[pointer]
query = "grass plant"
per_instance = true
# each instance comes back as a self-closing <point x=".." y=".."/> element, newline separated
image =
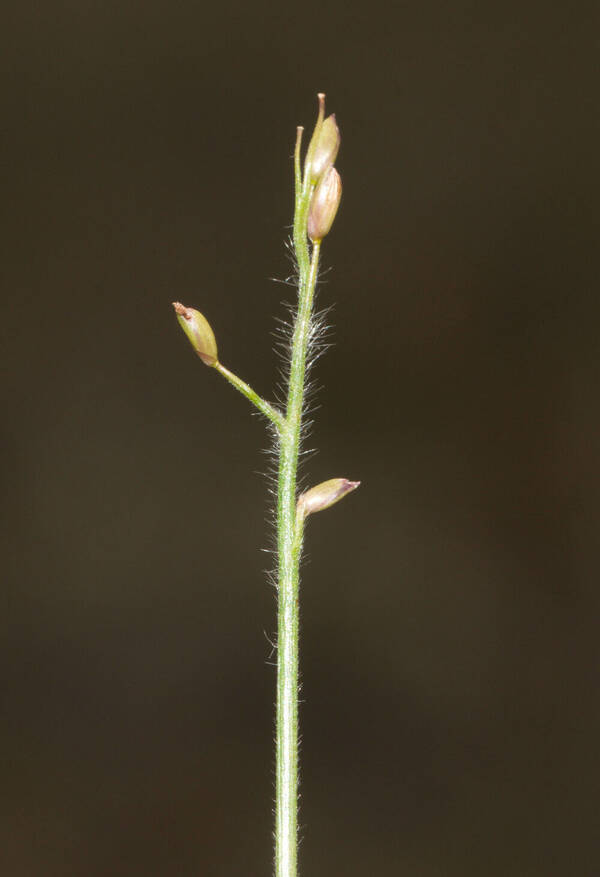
<point x="317" y="196"/>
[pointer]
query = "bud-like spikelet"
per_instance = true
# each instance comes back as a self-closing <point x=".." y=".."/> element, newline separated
<point x="324" y="205"/>
<point x="324" y="495"/>
<point x="325" y="150"/>
<point x="198" y="330"/>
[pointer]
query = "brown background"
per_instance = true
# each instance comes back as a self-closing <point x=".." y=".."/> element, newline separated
<point x="450" y="608"/>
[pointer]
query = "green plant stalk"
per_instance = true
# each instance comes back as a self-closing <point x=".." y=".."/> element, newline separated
<point x="263" y="406"/>
<point x="289" y="539"/>
<point x="314" y="213"/>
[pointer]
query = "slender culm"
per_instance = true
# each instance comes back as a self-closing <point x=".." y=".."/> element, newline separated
<point x="317" y="195"/>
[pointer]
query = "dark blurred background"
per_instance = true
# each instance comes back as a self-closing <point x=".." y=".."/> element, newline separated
<point x="450" y="712"/>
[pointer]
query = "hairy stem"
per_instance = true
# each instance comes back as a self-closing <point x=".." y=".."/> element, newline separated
<point x="289" y="548"/>
<point x="317" y="197"/>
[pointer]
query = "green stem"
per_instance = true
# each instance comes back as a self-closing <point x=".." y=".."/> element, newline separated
<point x="263" y="406"/>
<point x="289" y="537"/>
